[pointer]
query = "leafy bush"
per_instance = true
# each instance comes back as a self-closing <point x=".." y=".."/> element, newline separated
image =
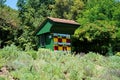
<point x="2" y="78"/>
<point x="9" y="52"/>
<point x="117" y="54"/>
<point x="32" y="53"/>
<point x="22" y="61"/>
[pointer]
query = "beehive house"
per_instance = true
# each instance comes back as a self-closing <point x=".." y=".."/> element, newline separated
<point x="55" y="34"/>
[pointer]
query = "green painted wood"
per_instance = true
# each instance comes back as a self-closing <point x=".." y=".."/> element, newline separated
<point x="49" y="42"/>
<point x="63" y="28"/>
<point x="45" y="28"/>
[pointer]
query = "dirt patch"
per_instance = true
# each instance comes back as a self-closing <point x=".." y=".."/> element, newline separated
<point x="4" y="72"/>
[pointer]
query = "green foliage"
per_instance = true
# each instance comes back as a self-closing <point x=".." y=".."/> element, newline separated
<point x="9" y="52"/>
<point x="112" y="70"/>
<point x="2" y="61"/>
<point x="22" y="61"/>
<point x="9" y="26"/>
<point x="32" y="53"/>
<point x="95" y="20"/>
<point x="67" y="9"/>
<point x="97" y="36"/>
<point x="32" y="12"/>
<point x="2" y="2"/>
<point x="97" y="30"/>
<point x="2" y="78"/>
<point x="56" y="66"/>
<point x="98" y="24"/>
<point x="117" y="54"/>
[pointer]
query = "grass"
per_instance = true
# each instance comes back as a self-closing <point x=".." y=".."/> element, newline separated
<point x="48" y="65"/>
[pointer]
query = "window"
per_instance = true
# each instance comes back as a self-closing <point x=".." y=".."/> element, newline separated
<point x="42" y="40"/>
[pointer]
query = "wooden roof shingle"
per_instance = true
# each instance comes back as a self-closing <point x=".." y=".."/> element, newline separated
<point x="63" y="21"/>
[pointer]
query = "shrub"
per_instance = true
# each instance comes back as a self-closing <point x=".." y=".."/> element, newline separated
<point x="117" y="54"/>
<point x="32" y="53"/>
<point x="22" y="61"/>
<point x="45" y="64"/>
<point x="10" y="52"/>
<point x="2" y="78"/>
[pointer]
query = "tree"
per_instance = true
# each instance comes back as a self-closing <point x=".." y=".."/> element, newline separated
<point x="67" y="9"/>
<point x="2" y="2"/>
<point x="9" y="26"/>
<point x="32" y="12"/>
<point x="98" y="24"/>
<point x="116" y="14"/>
<point x="98" y="30"/>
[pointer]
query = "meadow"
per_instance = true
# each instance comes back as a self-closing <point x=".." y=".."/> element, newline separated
<point x="44" y="64"/>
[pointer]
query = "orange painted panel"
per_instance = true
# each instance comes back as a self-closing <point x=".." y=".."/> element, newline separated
<point x="68" y="48"/>
<point x="64" y="40"/>
<point x="55" y="39"/>
<point x="60" y="48"/>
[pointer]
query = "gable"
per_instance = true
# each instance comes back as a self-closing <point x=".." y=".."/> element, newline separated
<point x="45" y="28"/>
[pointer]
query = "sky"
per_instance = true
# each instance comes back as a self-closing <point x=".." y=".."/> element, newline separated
<point x="11" y="3"/>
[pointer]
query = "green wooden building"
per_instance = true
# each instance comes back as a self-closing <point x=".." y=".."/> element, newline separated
<point x="55" y="33"/>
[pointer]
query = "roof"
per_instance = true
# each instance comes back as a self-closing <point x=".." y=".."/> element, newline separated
<point x="63" y="21"/>
<point x="51" y="21"/>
